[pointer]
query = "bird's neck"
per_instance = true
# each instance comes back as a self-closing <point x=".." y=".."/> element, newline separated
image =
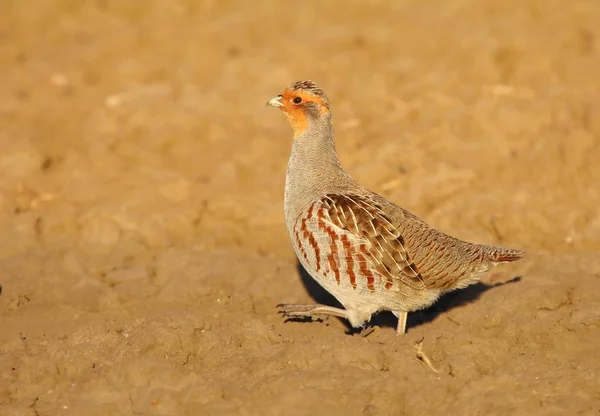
<point x="314" y="169"/>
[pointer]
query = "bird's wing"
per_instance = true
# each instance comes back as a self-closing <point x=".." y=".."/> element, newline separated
<point x="379" y="240"/>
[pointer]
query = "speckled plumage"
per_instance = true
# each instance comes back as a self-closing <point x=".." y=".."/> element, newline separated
<point x="369" y="253"/>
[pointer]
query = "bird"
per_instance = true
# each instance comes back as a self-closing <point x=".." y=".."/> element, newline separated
<point x="366" y="251"/>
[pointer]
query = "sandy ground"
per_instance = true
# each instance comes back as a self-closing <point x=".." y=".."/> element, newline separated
<point x="143" y="242"/>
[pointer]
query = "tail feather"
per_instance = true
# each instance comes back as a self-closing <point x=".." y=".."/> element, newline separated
<point x="504" y="255"/>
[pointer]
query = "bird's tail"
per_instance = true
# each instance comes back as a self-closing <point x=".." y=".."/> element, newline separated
<point x="504" y="255"/>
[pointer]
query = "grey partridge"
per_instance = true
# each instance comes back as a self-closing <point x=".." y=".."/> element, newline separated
<point x="369" y="253"/>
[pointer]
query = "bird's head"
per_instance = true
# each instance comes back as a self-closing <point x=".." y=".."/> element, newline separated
<point x="303" y="103"/>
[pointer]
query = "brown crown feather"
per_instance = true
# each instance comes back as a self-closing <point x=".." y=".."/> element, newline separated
<point x="312" y="88"/>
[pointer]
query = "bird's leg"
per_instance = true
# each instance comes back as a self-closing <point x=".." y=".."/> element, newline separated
<point x="311" y="310"/>
<point x="402" y="316"/>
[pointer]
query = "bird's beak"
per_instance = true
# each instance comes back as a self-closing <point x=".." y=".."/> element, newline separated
<point x="275" y="101"/>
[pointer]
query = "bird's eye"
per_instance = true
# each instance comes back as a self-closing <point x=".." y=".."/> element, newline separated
<point x="297" y="100"/>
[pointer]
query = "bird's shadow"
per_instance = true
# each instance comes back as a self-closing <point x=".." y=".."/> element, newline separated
<point x="445" y="303"/>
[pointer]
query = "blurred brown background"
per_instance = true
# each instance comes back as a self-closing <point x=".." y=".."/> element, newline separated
<point x="143" y="245"/>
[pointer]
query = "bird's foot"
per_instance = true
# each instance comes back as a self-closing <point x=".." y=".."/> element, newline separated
<point x="295" y="311"/>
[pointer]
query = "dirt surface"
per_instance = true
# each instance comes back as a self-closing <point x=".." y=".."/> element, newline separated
<point x="143" y="241"/>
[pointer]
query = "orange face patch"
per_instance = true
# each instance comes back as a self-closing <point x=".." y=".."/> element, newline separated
<point x="296" y="112"/>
